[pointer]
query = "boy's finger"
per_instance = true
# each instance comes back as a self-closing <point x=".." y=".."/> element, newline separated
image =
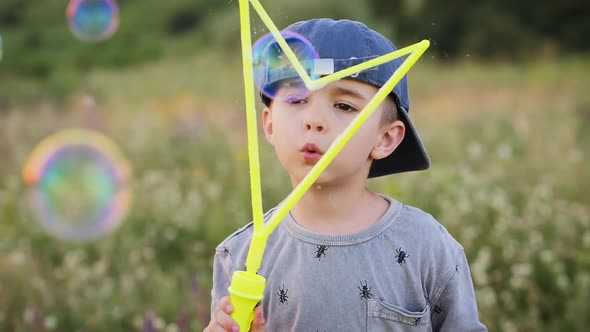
<point x="224" y="320"/>
<point x="259" y="321"/>
<point x="225" y="305"/>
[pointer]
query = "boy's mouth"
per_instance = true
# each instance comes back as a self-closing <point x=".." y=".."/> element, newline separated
<point x="311" y="153"/>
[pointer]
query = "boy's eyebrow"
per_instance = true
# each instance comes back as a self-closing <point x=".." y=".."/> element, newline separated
<point x="348" y="92"/>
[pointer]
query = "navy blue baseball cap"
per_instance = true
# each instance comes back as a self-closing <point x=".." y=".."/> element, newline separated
<point x="340" y="45"/>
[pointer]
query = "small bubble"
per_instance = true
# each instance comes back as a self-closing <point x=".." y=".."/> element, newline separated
<point x="93" y="20"/>
<point x="270" y="65"/>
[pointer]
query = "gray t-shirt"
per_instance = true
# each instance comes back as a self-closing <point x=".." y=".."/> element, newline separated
<point x="404" y="273"/>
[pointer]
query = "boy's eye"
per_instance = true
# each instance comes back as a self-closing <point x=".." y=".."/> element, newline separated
<point x="294" y="100"/>
<point x="345" y="107"/>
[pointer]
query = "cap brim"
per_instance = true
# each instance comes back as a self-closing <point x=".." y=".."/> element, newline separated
<point x="410" y="155"/>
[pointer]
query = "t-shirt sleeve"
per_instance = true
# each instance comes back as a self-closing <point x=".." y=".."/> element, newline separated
<point x="222" y="273"/>
<point x="456" y="307"/>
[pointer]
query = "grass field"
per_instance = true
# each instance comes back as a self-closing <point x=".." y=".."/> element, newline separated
<point x="509" y="145"/>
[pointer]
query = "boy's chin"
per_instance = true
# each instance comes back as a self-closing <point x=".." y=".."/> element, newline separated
<point x="326" y="179"/>
<point x="300" y="174"/>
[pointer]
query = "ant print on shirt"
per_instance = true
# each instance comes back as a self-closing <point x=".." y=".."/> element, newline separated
<point x="401" y="256"/>
<point x="438" y="309"/>
<point x="282" y="294"/>
<point x="225" y="252"/>
<point x="365" y="291"/>
<point x="321" y="251"/>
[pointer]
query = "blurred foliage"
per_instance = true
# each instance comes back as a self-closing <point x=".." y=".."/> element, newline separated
<point x="39" y="48"/>
<point x="39" y="43"/>
<point x="522" y="214"/>
<point x="509" y="145"/>
<point x="489" y="28"/>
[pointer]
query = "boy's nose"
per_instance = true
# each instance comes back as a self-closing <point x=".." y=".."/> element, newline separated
<point x="314" y="120"/>
<point x="314" y="126"/>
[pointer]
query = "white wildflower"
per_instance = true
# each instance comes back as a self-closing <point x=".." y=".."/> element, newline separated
<point x="148" y="253"/>
<point x="137" y="322"/>
<point x="479" y="267"/>
<point x="29" y="315"/>
<point x="116" y="312"/>
<point x="17" y="257"/>
<point x="172" y="328"/>
<point x="159" y="323"/>
<point x="547" y="256"/>
<point x="170" y="234"/>
<point x="486" y="297"/>
<point x="50" y="322"/>
<point x="100" y="268"/>
<point x="508" y="326"/>
<point x="504" y="151"/>
<point x="575" y="155"/>
<point x="562" y="281"/>
<point x="141" y="273"/>
<point x="194" y="201"/>
<point x="474" y="150"/>
<point x="37" y="283"/>
<point x="213" y="189"/>
<point x="535" y="239"/>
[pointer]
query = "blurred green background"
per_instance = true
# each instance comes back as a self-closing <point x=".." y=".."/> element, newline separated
<point x="500" y="99"/>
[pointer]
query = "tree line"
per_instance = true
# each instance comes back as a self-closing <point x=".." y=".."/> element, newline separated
<point x="490" y="28"/>
<point x="37" y="42"/>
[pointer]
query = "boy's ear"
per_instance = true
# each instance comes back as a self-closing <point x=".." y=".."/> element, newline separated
<point x="390" y="138"/>
<point x="267" y="123"/>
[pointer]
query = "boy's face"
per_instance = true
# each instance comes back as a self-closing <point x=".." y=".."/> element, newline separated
<point x="301" y="126"/>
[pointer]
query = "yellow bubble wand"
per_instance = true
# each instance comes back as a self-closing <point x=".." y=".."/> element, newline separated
<point x="247" y="287"/>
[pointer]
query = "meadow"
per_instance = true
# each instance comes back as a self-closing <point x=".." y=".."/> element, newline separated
<point x="509" y="143"/>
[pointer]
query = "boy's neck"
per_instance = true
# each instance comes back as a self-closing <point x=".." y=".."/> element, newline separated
<point x="338" y="210"/>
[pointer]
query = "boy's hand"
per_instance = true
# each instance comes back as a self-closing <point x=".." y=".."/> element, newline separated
<point x="222" y="321"/>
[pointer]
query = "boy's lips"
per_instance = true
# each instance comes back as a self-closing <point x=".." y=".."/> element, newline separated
<point x="311" y="153"/>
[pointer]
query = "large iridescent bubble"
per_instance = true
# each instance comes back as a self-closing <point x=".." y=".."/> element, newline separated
<point x="93" y="20"/>
<point x="78" y="184"/>
<point x="272" y="66"/>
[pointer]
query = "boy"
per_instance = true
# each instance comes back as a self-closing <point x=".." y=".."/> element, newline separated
<point x="347" y="259"/>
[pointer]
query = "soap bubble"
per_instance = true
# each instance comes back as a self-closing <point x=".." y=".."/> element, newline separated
<point x="93" y="20"/>
<point x="271" y="64"/>
<point x="78" y="184"/>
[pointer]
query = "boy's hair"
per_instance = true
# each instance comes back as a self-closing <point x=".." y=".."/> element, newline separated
<point x="390" y="110"/>
<point x="342" y="44"/>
